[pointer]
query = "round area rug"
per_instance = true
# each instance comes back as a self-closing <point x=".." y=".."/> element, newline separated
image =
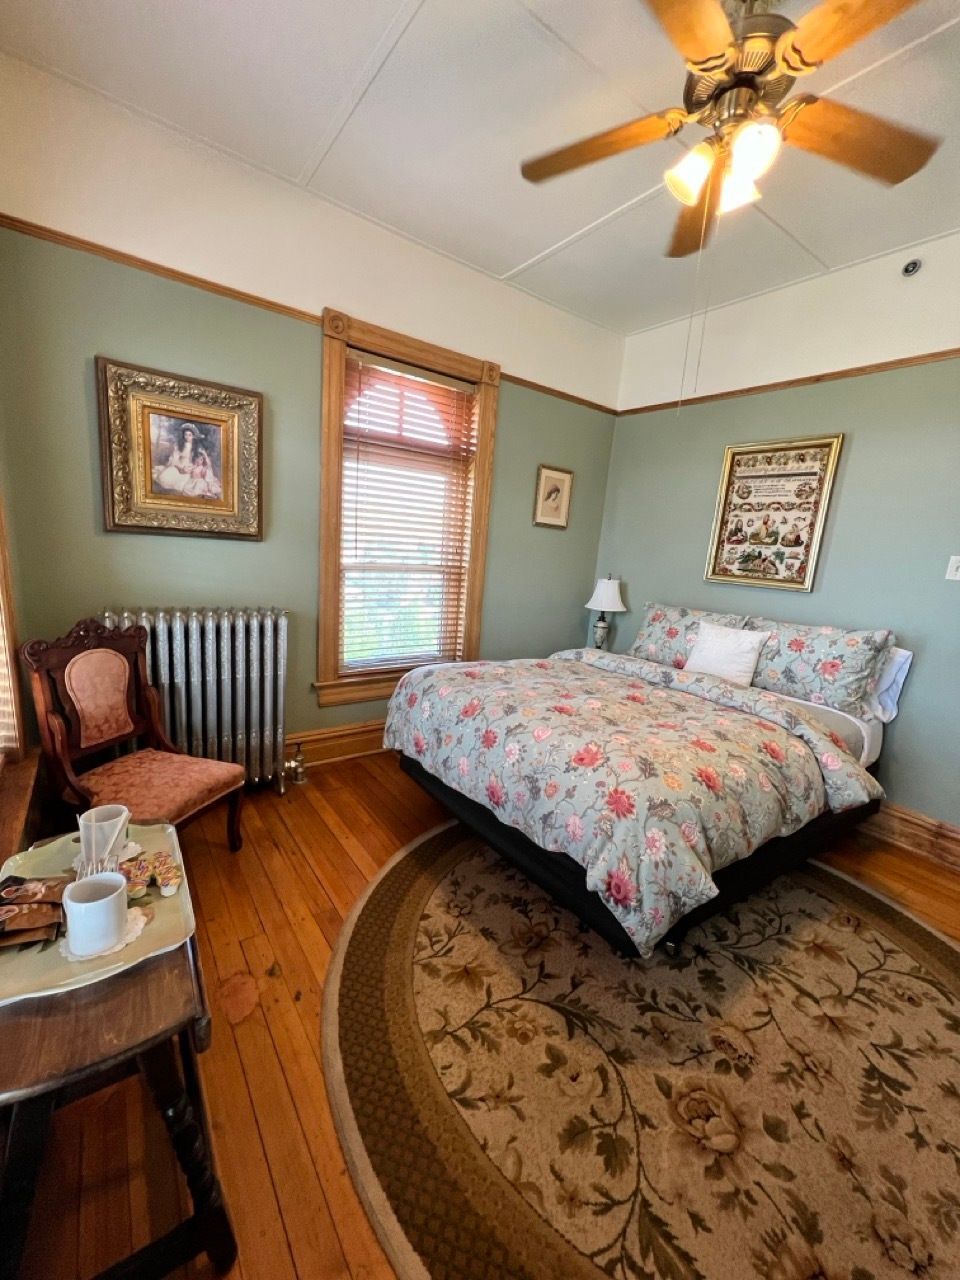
<point x="782" y="1100"/>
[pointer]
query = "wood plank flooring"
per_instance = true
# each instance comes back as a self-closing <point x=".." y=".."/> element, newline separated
<point x="267" y="920"/>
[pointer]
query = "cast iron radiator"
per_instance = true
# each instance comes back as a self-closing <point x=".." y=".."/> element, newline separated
<point x="221" y="676"/>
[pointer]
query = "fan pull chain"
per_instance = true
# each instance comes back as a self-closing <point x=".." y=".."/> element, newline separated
<point x="696" y="293"/>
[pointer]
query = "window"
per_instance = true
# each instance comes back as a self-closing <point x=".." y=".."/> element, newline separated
<point x="408" y="443"/>
<point x="10" y="732"/>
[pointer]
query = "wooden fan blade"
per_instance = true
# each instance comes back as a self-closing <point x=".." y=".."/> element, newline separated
<point x="609" y="143"/>
<point x="696" y="222"/>
<point x="869" y="144"/>
<point x="834" y="25"/>
<point x="699" y="29"/>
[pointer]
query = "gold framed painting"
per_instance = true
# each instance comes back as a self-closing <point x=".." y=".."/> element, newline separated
<point x="551" y="500"/>
<point x="771" y="509"/>
<point x="178" y="455"/>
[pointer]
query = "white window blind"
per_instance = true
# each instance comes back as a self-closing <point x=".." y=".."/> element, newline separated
<point x="409" y="446"/>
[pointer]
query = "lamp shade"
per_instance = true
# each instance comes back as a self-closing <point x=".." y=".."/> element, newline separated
<point x="606" y="597"/>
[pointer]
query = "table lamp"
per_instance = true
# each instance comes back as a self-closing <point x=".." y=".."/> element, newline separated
<point x="606" y="599"/>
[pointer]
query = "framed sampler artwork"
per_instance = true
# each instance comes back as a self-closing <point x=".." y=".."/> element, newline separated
<point x="771" y="509"/>
<point x="551" y="502"/>
<point x="178" y="455"/>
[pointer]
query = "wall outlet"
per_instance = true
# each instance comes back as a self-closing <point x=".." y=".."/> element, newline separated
<point x="953" y="569"/>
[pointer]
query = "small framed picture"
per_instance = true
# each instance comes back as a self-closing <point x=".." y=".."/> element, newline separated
<point x="178" y="455"/>
<point x="551" y="503"/>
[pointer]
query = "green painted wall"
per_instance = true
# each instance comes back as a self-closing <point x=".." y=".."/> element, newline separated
<point x="60" y="307"/>
<point x="538" y="579"/>
<point x="893" y="522"/>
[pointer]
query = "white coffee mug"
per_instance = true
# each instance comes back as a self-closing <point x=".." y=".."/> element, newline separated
<point x="96" y="908"/>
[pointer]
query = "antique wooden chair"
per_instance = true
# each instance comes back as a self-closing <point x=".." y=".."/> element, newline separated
<point x="91" y="694"/>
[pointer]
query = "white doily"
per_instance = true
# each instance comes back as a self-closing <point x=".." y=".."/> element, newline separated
<point x="137" y="919"/>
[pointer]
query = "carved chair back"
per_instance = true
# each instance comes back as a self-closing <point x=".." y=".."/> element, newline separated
<point x="91" y="692"/>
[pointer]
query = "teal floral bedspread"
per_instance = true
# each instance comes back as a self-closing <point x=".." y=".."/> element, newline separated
<point x="651" y="778"/>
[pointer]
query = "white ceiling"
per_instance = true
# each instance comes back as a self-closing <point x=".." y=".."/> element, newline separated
<point x="417" y="113"/>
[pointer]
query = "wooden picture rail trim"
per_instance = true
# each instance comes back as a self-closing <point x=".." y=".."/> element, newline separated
<point x="342" y="742"/>
<point x="809" y="380"/>
<point x="927" y="837"/>
<point x="40" y="232"/>
<point x="154" y="268"/>
<point x="356" y="333"/>
<point x="558" y="395"/>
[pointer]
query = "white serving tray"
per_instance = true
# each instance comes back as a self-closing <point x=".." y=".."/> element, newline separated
<point x="39" y="969"/>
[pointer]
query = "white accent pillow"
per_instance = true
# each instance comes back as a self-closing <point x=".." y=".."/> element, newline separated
<point x="726" y="652"/>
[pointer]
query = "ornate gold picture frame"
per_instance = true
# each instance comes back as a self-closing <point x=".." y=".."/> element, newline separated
<point x="771" y="509"/>
<point x="178" y="455"/>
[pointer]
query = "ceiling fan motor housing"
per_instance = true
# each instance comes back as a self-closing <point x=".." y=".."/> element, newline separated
<point x="720" y="95"/>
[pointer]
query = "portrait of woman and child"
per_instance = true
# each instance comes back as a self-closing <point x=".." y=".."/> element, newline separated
<point x="185" y="458"/>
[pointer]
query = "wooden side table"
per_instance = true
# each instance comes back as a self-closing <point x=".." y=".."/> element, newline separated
<point x="55" y="1049"/>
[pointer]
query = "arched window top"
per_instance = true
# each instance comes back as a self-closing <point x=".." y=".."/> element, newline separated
<point x="392" y="406"/>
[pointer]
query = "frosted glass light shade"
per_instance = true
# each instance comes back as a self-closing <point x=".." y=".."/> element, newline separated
<point x="756" y="145"/>
<point x="685" y="180"/>
<point x="606" y="597"/>
<point x="736" y="192"/>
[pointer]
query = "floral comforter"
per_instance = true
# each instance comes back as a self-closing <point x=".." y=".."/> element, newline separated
<point x="650" y="777"/>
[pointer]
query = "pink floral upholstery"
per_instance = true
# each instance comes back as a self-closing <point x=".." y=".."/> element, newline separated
<point x="97" y="682"/>
<point x="157" y="784"/>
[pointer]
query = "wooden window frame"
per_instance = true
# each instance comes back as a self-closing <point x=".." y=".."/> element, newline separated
<point x="341" y="332"/>
<point x="14" y="753"/>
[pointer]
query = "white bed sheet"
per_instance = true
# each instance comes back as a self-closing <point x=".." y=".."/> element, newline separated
<point x="863" y="737"/>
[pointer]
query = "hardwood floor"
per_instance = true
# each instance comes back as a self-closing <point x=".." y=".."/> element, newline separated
<point x="267" y="919"/>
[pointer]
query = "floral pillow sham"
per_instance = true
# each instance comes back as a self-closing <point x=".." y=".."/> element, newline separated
<point x="825" y="665"/>
<point x="668" y="632"/>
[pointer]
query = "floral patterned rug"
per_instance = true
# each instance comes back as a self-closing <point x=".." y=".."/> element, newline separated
<point x="781" y="1100"/>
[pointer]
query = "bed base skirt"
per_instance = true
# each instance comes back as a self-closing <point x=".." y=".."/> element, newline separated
<point x="565" y="880"/>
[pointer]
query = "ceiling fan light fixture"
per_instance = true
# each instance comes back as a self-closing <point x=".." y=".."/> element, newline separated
<point x="736" y="192"/>
<point x="755" y="146"/>
<point x="686" y="179"/>
<point x="742" y="59"/>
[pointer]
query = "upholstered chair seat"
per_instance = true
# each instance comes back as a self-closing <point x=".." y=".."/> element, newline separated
<point x="157" y="784"/>
<point x="94" y="703"/>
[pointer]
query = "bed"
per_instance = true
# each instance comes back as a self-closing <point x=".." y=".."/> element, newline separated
<point x="642" y="796"/>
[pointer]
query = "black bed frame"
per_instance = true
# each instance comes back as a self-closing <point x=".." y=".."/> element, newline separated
<point x="565" y="879"/>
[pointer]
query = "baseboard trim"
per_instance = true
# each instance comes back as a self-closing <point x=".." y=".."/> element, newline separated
<point x="343" y="741"/>
<point x="894" y="824"/>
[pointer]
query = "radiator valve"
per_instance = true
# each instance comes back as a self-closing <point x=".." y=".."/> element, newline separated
<point x="295" y="769"/>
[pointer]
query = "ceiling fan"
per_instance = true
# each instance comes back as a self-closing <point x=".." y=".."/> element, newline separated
<point x="738" y="77"/>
